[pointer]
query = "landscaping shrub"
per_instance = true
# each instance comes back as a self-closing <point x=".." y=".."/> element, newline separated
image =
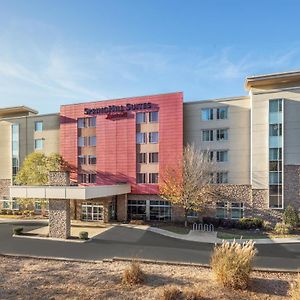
<point x="290" y="216"/>
<point x="232" y="264"/>
<point x="137" y="222"/>
<point x="3" y="212"/>
<point x="18" y="230"/>
<point x="250" y="223"/>
<point x="171" y="292"/>
<point x="295" y="290"/>
<point x="133" y="274"/>
<point x="210" y="220"/>
<point x="193" y="293"/>
<point x="9" y="212"/>
<point x="83" y="235"/>
<point x="228" y="223"/>
<point x="282" y="228"/>
<point x="267" y="226"/>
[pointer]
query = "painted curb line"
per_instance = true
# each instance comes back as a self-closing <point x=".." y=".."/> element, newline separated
<point x="24" y="236"/>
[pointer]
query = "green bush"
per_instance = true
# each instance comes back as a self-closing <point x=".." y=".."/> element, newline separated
<point x="3" y="212"/>
<point x="250" y="223"/>
<point x="290" y="216"/>
<point x="83" y="235"/>
<point x="267" y="226"/>
<point x="282" y="228"/>
<point x="18" y="230"/>
<point x="9" y="212"/>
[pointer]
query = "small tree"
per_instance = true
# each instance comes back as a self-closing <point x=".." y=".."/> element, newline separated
<point x="290" y="216"/>
<point x="35" y="170"/>
<point x="188" y="185"/>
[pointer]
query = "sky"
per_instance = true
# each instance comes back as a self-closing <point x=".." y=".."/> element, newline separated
<point x="68" y="51"/>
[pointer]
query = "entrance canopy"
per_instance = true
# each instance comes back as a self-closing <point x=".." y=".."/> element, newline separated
<point x="69" y="192"/>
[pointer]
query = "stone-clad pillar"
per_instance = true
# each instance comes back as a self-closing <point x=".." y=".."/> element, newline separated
<point x="59" y="218"/>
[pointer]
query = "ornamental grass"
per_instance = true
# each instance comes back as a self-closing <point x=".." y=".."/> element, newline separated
<point x="231" y="264"/>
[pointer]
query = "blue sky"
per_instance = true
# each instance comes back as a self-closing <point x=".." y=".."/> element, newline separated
<point x="59" y="52"/>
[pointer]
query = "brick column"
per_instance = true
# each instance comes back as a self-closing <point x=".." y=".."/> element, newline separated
<point x="122" y="208"/>
<point x="59" y="218"/>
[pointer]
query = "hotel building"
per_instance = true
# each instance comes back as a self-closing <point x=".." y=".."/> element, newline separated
<point x="254" y="140"/>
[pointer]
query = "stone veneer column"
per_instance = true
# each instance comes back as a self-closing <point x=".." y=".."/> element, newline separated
<point x="59" y="218"/>
<point x="59" y="209"/>
<point x="122" y="208"/>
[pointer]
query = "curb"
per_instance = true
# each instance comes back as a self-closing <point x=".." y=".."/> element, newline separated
<point x="24" y="236"/>
<point x="144" y="261"/>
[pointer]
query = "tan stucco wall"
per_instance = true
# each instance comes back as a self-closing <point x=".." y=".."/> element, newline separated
<point x="238" y="144"/>
<point x="50" y="134"/>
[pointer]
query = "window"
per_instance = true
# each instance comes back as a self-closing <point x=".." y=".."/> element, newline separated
<point x="222" y="134"/>
<point x="136" y="209"/>
<point x="87" y="178"/>
<point x="141" y="138"/>
<point x="81" y="123"/>
<point x="153" y="157"/>
<point x="222" y="113"/>
<point x="92" y="122"/>
<point x="141" y="178"/>
<point x="160" y="210"/>
<point x="15" y="144"/>
<point x="81" y="141"/>
<point x="142" y="158"/>
<point x="207" y="114"/>
<point x="229" y="210"/>
<point x="275" y="153"/>
<point x="38" y="144"/>
<point x="153" y="177"/>
<point x="275" y="129"/>
<point x="92" y="159"/>
<point x="153" y="137"/>
<point x="207" y="135"/>
<point x="37" y="206"/>
<point x="81" y="160"/>
<point x="38" y="126"/>
<point x="140" y="117"/>
<point x="10" y="204"/>
<point x="92" y="141"/>
<point x="222" y="177"/>
<point x="192" y="214"/>
<point x="153" y="116"/>
<point x="222" y="156"/>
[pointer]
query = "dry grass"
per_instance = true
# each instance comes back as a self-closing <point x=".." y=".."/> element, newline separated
<point x="133" y="274"/>
<point x="171" y="292"/>
<point x="30" y="279"/>
<point x="193" y="293"/>
<point x="295" y="289"/>
<point x="232" y="262"/>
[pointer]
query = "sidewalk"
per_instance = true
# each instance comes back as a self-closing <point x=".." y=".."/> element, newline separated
<point x="211" y="237"/>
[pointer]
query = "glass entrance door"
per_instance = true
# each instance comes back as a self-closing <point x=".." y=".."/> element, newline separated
<point x="92" y="212"/>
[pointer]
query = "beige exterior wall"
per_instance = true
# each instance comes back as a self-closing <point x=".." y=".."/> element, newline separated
<point x="238" y="144"/>
<point x="50" y="135"/>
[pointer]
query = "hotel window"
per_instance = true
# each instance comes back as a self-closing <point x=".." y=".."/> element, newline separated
<point x="38" y="144"/>
<point x="81" y="141"/>
<point x="141" y="178"/>
<point x="222" y="113"/>
<point x="229" y="210"/>
<point x="222" y="134"/>
<point x="37" y="206"/>
<point x="81" y="160"/>
<point x="207" y="135"/>
<point x="160" y="210"/>
<point x="275" y="153"/>
<point x="153" y="177"/>
<point x="221" y="177"/>
<point x="136" y="209"/>
<point x="38" y="126"/>
<point x="141" y="138"/>
<point x="92" y="122"/>
<point x="222" y="156"/>
<point x="92" y="159"/>
<point x="87" y="178"/>
<point x="81" y="123"/>
<point x="92" y="141"/>
<point x="142" y="158"/>
<point x="192" y="214"/>
<point x="207" y="114"/>
<point x="140" y="117"/>
<point x="153" y="137"/>
<point x="153" y="116"/>
<point x="153" y="157"/>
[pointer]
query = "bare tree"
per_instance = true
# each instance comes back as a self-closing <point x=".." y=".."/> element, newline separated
<point x="188" y="185"/>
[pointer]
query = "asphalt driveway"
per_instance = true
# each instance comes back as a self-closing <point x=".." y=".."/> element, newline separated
<point x="127" y="242"/>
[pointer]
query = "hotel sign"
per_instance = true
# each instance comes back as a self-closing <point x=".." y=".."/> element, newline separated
<point x="118" y="109"/>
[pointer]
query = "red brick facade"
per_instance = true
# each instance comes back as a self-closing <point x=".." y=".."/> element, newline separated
<point x="116" y="139"/>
